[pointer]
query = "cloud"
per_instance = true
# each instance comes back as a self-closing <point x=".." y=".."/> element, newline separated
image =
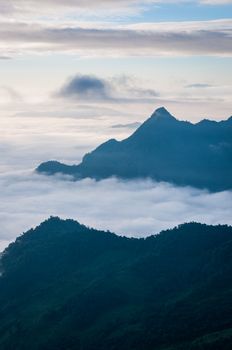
<point x="198" y="86"/>
<point x="5" y="58"/>
<point x="129" y="126"/>
<point x="55" y="6"/>
<point x="8" y="93"/>
<point x="73" y="10"/>
<point x="216" y="2"/>
<point x="69" y="9"/>
<point x="57" y="131"/>
<point x="122" y="89"/>
<point x="87" y="87"/>
<point x="188" y="38"/>
<point x="16" y="7"/>
<point x="134" y="208"/>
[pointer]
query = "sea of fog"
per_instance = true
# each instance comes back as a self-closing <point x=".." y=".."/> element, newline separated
<point x="130" y="208"/>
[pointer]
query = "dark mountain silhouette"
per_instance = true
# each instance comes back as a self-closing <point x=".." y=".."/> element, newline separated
<point x="65" y="286"/>
<point x="164" y="149"/>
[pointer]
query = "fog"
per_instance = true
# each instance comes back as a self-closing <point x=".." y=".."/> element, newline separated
<point x="130" y="208"/>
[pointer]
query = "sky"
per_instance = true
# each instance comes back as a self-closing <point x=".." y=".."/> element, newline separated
<point x="76" y="73"/>
<point x="179" y="49"/>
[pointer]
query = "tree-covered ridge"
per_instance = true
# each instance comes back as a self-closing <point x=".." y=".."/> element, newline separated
<point x="66" y="286"/>
<point x="164" y="149"/>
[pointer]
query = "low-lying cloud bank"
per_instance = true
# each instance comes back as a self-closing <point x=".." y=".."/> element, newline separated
<point x="138" y="208"/>
<point x="134" y="208"/>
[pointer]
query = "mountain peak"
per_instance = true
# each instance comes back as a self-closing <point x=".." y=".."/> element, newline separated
<point x="162" y="114"/>
<point x="163" y="148"/>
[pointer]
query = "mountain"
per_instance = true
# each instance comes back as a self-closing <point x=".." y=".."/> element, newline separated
<point x="164" y="149"/>
<point x="68" y="287"/>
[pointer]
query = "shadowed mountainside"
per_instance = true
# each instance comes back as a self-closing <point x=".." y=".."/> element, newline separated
<point x="164" y="149"/>
<point x="65" y="286"/>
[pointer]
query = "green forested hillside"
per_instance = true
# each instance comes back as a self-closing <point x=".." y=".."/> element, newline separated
<point x="65" y="286"/>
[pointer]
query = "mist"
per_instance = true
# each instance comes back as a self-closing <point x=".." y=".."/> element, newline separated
<point x="128" y="208"/>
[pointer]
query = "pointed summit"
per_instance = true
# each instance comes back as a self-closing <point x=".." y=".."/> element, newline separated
<point x="160" y="118"/>
<point x="160" y="121"/>
<point x="163" y="148"/>
<point x="162" y="114"/>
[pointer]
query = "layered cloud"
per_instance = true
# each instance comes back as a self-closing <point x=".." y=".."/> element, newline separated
<point x="135" y="208"/>
<point x="198" y="86"/>
<point x="189" y="38"/>
<point x="47" y="6"/>
<point x="17" y="6"/>
<point x="59" y="9"/>
<point x="92" y="88"/>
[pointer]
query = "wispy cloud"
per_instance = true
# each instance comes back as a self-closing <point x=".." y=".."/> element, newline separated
<point x="198" y="86"/>
<point x="189" y="38"/>
<point x="10" y="94"/>
<point x="16" y="7"/>
<point x="127" y="126"/>
<point x="71" y="8"/>
<point x="92" y="88"/>
<point x="215" y="2"/>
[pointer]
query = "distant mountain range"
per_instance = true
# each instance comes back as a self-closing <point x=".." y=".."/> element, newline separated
<point x="68" y="287"/>
<point x="164" y="149"/>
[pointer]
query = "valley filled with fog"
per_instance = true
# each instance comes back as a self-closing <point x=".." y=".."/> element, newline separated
<point x="131" y="208"/>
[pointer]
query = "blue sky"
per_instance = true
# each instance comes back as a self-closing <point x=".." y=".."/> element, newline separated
<point x="185" y="12"/>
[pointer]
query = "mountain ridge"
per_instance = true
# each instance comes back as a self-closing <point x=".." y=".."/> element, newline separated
<point x="67" y="286"/>
<point x="163" y="149"/>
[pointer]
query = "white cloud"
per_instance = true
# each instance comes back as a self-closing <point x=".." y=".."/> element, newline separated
<point x="69" y="6"/>
<point x="66" y="133"/>
<point x="216" y="2"/>
<point x="91" y="88"/>
<point x="188" y="38"/>
<point x="76" y="10"/>
<point x="8" y="93"/>
<point x="135" y="208"/>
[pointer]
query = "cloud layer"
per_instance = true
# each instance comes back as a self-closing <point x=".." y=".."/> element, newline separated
<point x="135" y="208"/>
<point x="190" y="38"/>
<point x="129" y="208"/>
<point x="47" y="6"/>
